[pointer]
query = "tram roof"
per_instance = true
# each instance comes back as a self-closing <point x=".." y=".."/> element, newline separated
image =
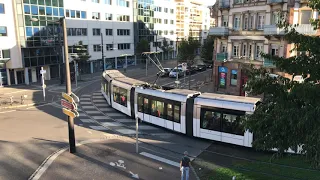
<point x="113" y="73"/>
<point x="224" y="97"/>
<point x="129" y="81"/>
<point x="183" y="92"/>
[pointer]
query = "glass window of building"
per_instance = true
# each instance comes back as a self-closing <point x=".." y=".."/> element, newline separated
<point x="97" y="48"/>
<point x="49" y="11"/>
<point x="170" y="112"/>
<point x="83" y="14"/>
<point x="109" y="47"/>
<point x="108" y="17"/>
<point x="2" y="11"/>
<point x="96" y="32"/>
<point x="34" y="1"/>
<point x="26" y="9"/>
<point x="166" y="10"/>
<point x="61" y="12"/>
<point x="73" y="13"/>
<point x="3" y="31"/>
<point x="107" y="2"/>
<point x="78" y="15"/>
<point x="166" y="21"/>
<point x="109" y="32"/>
<point x="96" y="1"/>
<point x="176" y="114"/>
<point x="305" y="16"/>
<point x="42" y="10"/>
<point x="234" y="77"/>
<point x="48" y="3"/>
<point x="5" y="54"/>
<point x="34" y="10"/>
<point x="95" y="15"/>
<point x="172" y="11"/>
<point x="171" y="22"/>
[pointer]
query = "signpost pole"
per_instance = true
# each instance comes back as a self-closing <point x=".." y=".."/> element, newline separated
<point x="43" y="85"/>
<point x="137" y="136"/>
<point x="1" y="82"/>
<point x="72" y="142"/>
<point x="75" y="72"/>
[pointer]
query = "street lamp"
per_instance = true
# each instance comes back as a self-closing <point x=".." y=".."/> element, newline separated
<point x="62" y="22"/>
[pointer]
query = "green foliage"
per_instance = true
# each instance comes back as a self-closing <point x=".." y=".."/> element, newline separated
<point x="142" y="46"/>
<point x="289" y="117"/>
<point x="187" y="50"/>
<point x="207" y="49"/>
<point x="166" y="47"/>
<point x="80" y="52"/>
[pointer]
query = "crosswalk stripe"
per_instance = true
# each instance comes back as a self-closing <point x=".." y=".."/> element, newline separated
<point x="86" y="95"/>
<point x="126" y="120"/>
<point x="98" y="128"/>
<point x="99" y="100"/>
<point x="93" y="112"/>
<point x="98" y="97"/>
<point x="85" y="99"/>
<point x="144" y="127"/>
<point x="115" y="114"/>
<point x="82" y="114"/>
<point x="100" y="117"/>
<point x="97" y="93"/>
<point x="106" y="109"/>
<point x="81" y="102"/>
<point x="126" y="131"/>
<point x="86" y="120"/>
<point x="176" y="164"/>
<point x="88" y="107"/>
<point x="111" y="124"/>
<point x="102" y="105"/>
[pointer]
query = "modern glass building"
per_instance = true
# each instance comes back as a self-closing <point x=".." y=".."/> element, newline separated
<point x="40" y="40"/>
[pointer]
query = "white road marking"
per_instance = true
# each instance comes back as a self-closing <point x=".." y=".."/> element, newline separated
<point x="97" y="93"/>
<point x="93" y="112"/>
<point x="106" y="109"/>
<point x="88" y="107"/>
<point x="99" y="100"/>
<point x="100" y="117"/>
<point x="126" y="120"/>
<point x="102" y="105"/>
<point x="99" y="128"/>
<point x="126" y="131"/>
<point x="82" y="114"/>
<point x="85" y="99"/>
<point x="86" y="120"/>
<point x="111" y="124"/>
<point x="86" y="95"/>
<point x="145" y="127"/>
<point x="98" y="97"/>
<point x="161" y="159"/>
<point x="85" y="102"/>
<point x="115" y="114"/>
<point x="7" y="111"/>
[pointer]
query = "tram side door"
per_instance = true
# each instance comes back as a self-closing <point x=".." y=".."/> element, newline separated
<point x="189" y="116"/>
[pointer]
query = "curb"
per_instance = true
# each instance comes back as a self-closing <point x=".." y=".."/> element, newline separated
<point x="25" y="105"/>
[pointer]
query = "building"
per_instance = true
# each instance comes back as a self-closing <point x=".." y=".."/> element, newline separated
<point x="246" y="28"/>
<point x="33" y="35"/>
<point x="192" y="19"/>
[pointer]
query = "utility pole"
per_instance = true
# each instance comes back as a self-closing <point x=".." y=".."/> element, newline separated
<point x="60" y="55"/>
<point x="72" y="143"/>
<point x="177" y="80"/>
<point x="157" y="44"/>
<point x="137" y="134"/>
<point x="102" y="53"/>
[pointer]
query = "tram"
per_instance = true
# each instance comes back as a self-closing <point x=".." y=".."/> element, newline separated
<point x="203" y="115"/>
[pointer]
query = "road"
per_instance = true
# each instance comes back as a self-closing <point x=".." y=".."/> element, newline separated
<point x="30" y="135"/>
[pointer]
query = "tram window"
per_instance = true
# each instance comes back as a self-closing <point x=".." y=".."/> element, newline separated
<point x="106" y="88"/>
<point x="123" y="97"/>
<point x="140" y="104"/>
<point x="232" y="124"/>
<point x="116" y="94"/>
<point x="210" y="120"/>
<point x="146" y="105"/>
<point x="177" y="113"/>
<point x="157" y="108"/>
<point x="169" y="112"/>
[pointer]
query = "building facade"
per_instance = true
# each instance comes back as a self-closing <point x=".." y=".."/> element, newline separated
<point x="244" y="29"/>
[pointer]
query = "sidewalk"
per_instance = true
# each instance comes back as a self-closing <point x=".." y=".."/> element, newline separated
<point x="110" y="159"/>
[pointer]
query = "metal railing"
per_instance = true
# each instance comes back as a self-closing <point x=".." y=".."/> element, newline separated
<point x="273" y="30"/>
<point x="274" y="1"/>
<point x="222" y="57"/>
<point x="306" y="29"/>
<point x="268" y="62"/>
<point x="222" y="31"/>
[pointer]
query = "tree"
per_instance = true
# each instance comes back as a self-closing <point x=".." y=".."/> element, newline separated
<point x="166" y="48"/>
<point x="207" y="49"/>
<point x="187" y="50"/>
<point x="142" y="46"/>
<point x="288" y="116"/>
<point x="80" y="53"/>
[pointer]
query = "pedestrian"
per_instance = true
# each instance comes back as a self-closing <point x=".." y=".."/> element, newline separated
<point x="185" y="163"/>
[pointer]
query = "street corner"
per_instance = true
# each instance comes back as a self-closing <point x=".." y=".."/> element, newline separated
<point x="111" y="159"/>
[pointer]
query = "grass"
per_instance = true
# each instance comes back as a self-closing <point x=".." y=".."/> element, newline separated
<point x="245" y="170"/>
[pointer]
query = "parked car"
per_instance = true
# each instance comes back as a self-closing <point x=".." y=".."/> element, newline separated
<point x="201" y="67"/>
<point x="176" y="71"/>
<point x="165" y="73"/>
<point x="191" y="70"/>
<point x="208" y="65"/>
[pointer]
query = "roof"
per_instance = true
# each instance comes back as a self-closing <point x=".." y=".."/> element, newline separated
<point x="113" y="73"/>
<point x="129" y="81"/>
<point x="183" y="91"/>
<point x="242" y="99"/>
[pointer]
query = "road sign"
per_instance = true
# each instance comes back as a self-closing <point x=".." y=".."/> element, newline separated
<point x="177" y="82"/>
<point x="68" y="105"/>
<point x="44" y="86"/>
<point x="43" y="71"/>
<point x="70" y="113"/>
<point x="75" y="97"/>
<point x="67" y="97"/>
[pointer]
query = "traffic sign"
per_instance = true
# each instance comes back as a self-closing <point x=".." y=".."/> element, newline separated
<point x="70" y="113"/>
<point x="75" y="97"/>
<point x="43" y="71"/>
<point x="67" y="97"/>
<point x="66" y="104"/>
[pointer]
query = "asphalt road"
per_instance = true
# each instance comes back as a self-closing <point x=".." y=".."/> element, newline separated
<point x="29" y="135"/>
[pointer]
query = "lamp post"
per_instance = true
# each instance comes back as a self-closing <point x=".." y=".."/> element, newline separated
<point x="62" y="22"/>
<point x="177" y="74"/>
<point x="102" y="53"/>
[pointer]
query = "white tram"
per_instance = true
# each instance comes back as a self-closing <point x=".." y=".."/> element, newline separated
<point x="208" y="115"/>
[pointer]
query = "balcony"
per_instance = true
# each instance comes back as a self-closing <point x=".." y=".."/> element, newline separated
<point x="306" y="29"/>
<point x="304" y="1"/>
<point x="273" y="30"/>
<point x="268" y="63"/>
<point x="274" y="1"/>
<point x="221" y="57"/>
<point x="219" y="31"/>
<point x="224" y="4"/>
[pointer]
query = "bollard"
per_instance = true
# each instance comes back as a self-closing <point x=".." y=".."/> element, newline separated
<point x="22" y="100"/>
<point x="11" y="100"/>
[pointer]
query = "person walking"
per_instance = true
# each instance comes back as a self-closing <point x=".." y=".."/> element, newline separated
<point x="185" y="164"/>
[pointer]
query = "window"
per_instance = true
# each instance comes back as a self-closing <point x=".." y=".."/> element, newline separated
<point x="224" y="48"/>
<point x="157" y="108"/>
<point x="96" y="32"/>
<point x="109" y="47"/>
<point x="34" y="10"/>
<point x="176" y="116"/>
<point x="222" y="121"/>
<point x="170" y="112"/>
<point x="236" y="22"/>
<point x="225" y="20"/>
<point x="251" y="19"/>
<point x="3" y="31"/>
<point x="120" y="95"/>
<point x="274" y="51"/>
<point x="172" y="11"/>
<point x="5" y="54"/>
<point x="234" y="77"/>
<point x="305" y="16"/>
<point x="123" y="18"/>
<point x="140" y="104"/>
<point x="165" y="32"/>
<point x="73" y="13"/>
<point x="108" y="17"/>
<point x="166" y="10"/>
<point x="171" y="22"/>
<point x="123" y="46"/>
<point x="77" y="31"/>
<point x="123" y="32"/>
<point x="123" y="3"/>
<point x="96" y="1"/>
<point x="96" y="47"/>
<point x="245" y="23"/>
<point x="258" y="51"/>
<point x="2" y="11"/>
<point x="260" y="24"/>
<point x="244" y="50"/>
<point x="166" y="21"/>
<point x="238" y="1"/>
<point x="83" y="15"/>
<point x="275" y="18"/>
<point x="107" y="2"/>
<point x="108" y="32"/>
<point x="171" y="43"/>
<point x="26" y="9"/>
<point x="78" y="14"/>
<point x="95" y="15"/>
<point x="157" y="20"/>
<point x="171" y="32"/>
<point x="250" y="50"/>
<point x="235" y="51"/>
<point x="157" y="9"/>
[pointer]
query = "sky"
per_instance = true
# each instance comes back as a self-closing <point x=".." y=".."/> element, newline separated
<point x="209" y="2"/>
